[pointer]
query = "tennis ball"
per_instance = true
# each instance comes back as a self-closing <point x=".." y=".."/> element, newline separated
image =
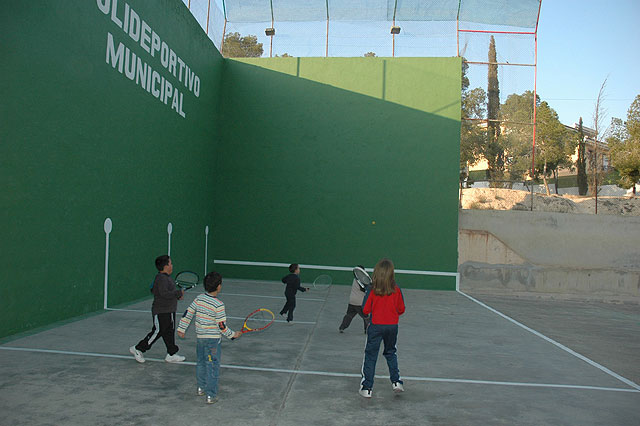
<point x="373" y="222"/>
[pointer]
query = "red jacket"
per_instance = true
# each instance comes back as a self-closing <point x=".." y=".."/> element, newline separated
<point x="384" y="310"/>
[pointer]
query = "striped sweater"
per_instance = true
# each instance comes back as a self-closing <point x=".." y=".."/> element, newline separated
<point x="210" y="318"/>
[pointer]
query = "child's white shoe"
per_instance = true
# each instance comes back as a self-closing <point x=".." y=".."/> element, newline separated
<point x="365" y="392"/>
<point x="174" y="358"/>
<point x="397" y="387"/>
<point x="212" y="399"/>
<point x="137" y="354"/>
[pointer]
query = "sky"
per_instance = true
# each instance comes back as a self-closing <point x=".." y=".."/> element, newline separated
<point x="580" y="43"/>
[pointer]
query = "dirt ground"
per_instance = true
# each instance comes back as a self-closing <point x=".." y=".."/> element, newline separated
<point x="510" y="199"/>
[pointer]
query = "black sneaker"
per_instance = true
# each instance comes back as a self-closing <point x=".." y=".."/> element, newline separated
<point x="341" y="330"/>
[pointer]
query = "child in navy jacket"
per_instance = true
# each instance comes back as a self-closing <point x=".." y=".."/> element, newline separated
<point x="293" y="285"/>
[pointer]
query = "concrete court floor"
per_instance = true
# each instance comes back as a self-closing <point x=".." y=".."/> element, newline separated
<point x="462" y="365"/>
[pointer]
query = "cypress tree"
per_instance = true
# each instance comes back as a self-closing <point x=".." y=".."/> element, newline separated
<point x="494" y="153"/>
<point x="582" y="162"/>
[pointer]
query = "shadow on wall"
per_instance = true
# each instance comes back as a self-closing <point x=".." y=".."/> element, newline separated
<point x="339" y="171"/>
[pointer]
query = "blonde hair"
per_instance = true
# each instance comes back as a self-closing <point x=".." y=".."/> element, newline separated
<point x="384" y="280"/>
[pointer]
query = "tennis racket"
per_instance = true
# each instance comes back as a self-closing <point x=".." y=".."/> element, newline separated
<point x="364" y="280"/>
<point x="322" y="282"/>
<point x="187" y="280"/>
<point x="258" y="320"/>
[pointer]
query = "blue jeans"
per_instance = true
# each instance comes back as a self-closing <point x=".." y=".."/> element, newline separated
<point x="377" y="333"/>
<point x="209" y="352"/>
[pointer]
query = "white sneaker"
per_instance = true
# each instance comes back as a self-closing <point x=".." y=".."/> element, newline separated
<point x="365" y="392"/>
<point x="137" y="354"/>
<point x="397" y="387"/>
<point x="174" y="358"/>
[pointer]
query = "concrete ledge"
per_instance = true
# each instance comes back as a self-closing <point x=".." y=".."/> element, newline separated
<point x="482" y="246"/>
<point x="612" y="285"/>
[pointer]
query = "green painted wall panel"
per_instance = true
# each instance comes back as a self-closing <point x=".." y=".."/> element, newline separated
<point x="80" y="142"/>
<point x="316" y="150"/>
<point x="288" y="160"/>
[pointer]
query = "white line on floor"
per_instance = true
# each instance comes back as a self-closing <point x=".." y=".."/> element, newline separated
<point x="331" y="374"/>
<point x="559" y="345"/>
<point x="270" y="297"/>
<point x="238" y="318"/>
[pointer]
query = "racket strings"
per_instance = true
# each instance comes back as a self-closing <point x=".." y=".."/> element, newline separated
<point x="187" y="279"/>
<point x="362" y="276"/>
<point x="259" y="319"/>
<point x="322" y="281"/>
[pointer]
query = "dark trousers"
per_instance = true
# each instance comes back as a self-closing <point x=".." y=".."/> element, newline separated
<point x="376" y="334"/>
<point x="164" y="325"/>
<point x="289" y="306"/>
<point x="352" y="310"/>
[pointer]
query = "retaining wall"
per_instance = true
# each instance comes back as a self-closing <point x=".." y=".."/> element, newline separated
<point x="564" y="255"/>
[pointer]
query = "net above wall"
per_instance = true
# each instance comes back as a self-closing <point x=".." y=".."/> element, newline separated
<point x="357" y="27"/>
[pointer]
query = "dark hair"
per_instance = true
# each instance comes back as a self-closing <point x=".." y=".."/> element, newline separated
<point x="162" y="261"/>
<point x="384" y="281"/>
<point x="293" y="267"/>
<point x="212" y="281"/>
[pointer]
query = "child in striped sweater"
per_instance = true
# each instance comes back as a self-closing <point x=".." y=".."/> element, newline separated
<point x="210" y="326"/>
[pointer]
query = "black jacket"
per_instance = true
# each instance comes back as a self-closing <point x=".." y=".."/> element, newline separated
<point x="293" y="284"/>
<point x="165" y="294"/>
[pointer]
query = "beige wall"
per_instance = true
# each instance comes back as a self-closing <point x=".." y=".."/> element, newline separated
<point x="588" y="256"/>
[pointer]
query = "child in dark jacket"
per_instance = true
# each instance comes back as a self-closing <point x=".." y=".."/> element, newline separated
<point x="293" y="285"/>
<point x="163" y="310"/>
<point x="385" y="303"/>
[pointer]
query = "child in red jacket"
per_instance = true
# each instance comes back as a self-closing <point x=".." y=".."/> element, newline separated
<point x="385" y="303"/>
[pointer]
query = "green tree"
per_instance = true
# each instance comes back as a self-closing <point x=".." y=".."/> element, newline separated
<point x="517" y="138"/>
<point x="581" y="163"/>
<point x="624" y="145"/>
<point x="493" y="152"/>
<point x="554" y="144"/>
<point x="370" y="55"/>
<point x="472" y="136"/>
<point x="237" y="46"/>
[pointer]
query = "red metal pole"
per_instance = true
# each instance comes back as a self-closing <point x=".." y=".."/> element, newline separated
<point x="208" y="10"/>
<point x="271" y="44"/>
<point x="326" y="49"/>
<point x="458" y="36"/>
<point x="497" y="32"/>
<point x="535" y="87"/>
<point x="535" y="84"/>
<point x="224" y="31"/>
<point x="393" y="41"/>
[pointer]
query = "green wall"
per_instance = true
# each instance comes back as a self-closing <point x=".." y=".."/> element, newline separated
<point x="287" y="160"/>
<point x="80" y="142"/>
<point x="315" y="150"/>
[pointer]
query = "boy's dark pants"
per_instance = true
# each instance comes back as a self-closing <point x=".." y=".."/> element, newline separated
<point x="352" y="310"/>
<point x="164" y="325"/>
<point x="289" y="306"/>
